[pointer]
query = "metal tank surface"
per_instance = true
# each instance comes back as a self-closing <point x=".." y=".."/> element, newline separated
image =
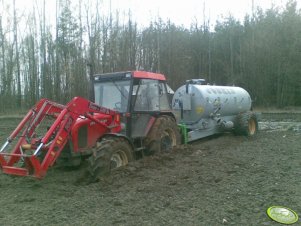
<point x="208" y="109"/>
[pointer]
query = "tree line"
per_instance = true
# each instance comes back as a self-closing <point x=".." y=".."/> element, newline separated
<point x="41" y="60"/>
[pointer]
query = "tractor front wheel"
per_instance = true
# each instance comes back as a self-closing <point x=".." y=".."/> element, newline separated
<point x="110" y="153"/>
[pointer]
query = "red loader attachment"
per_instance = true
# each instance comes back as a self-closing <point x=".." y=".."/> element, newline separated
<point x="32" y="155"/>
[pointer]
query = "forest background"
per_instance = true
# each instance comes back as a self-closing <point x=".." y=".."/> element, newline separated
<point x="39" y="59"/>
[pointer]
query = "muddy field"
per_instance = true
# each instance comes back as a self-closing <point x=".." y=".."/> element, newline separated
<point x="221" y="180"/>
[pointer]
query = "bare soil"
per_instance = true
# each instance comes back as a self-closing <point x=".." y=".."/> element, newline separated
<point x="221" y="180"/>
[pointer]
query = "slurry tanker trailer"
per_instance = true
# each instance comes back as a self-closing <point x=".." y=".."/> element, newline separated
<point x="202" y="110"/>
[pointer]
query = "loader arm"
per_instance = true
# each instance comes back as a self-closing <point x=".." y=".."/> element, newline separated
<point x="32" y="156"/>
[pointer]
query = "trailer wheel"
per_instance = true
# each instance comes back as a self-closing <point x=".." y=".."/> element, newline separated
<point x="246" y="124"/>
<point x="109" y="154"/>
<point x="163" y="136"/>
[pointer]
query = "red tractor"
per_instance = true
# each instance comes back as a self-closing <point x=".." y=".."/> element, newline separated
<point x="130" y="115"/>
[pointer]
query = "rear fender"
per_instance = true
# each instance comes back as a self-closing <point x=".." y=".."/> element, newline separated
<point x="170" y="114"/>
<point x="145" y="121"/>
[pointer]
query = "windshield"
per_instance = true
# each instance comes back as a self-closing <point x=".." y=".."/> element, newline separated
<point x="113" y="94"/>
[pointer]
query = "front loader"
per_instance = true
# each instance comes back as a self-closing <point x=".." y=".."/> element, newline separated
<point x="33" y="154"/>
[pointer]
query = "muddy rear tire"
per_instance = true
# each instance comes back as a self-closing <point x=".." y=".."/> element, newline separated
<point x="163" y="136"/>
<point x="246" y="124"/>
<point x="109" y="154"/>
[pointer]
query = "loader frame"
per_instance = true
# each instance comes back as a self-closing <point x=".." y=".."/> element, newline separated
<point x="32" y="156"/>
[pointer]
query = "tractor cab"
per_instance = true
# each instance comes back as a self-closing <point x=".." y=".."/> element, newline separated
<point x="139" y="96"/>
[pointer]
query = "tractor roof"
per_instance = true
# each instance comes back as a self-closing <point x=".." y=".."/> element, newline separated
<point x="149" y="75"/>
<point x="133" y="74"/>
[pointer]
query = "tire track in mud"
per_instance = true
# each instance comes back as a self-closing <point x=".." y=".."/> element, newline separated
<point x="280" y="122"/>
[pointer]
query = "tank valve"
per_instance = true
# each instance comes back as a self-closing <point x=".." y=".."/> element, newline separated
<point x="228" y="124"/>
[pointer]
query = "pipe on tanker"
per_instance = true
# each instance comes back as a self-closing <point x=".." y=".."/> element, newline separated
<point x="195" y="82"/>
<point x="182" y="109"/>
<point x="223" y="123"/>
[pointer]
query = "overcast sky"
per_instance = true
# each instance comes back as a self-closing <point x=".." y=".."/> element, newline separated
<point x="180" y="12"/>
<point x="186" y="11"/>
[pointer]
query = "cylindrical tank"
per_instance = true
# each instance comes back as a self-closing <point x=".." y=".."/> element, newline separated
<point x="193" y="102"/>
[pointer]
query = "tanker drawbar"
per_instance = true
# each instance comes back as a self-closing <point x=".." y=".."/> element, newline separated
<point x="208" y="109"/>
